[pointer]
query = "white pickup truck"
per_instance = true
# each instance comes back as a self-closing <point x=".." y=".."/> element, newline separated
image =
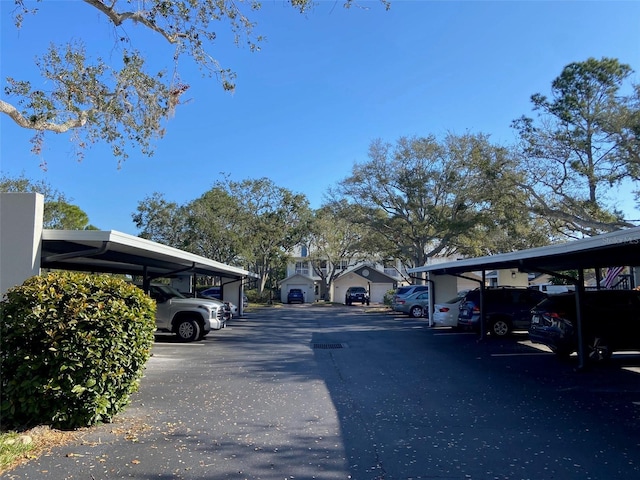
<point x="189" y="318"/>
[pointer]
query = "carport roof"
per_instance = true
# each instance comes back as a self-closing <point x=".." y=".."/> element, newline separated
<point x="116" y="252"/>
<point x="619" y="248"/>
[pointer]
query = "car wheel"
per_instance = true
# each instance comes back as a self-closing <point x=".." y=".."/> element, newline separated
<point x="188" y="330"/>
<point x="500" y="327"/>
<point x="598" y="350"/>
<point x="415" y="311"/>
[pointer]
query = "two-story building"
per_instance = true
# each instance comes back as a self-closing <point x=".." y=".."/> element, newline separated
<point x="377" y="277"/>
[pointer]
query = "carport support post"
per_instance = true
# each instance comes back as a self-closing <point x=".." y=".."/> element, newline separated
<point x="579" y="296"/>
<point x="146" y="281"/>
<point x="432" y="293"/>
<point x="483" y="330"/>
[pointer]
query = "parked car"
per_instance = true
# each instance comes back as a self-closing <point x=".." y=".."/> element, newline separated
<point x="406" y="291"/>
<point x="189" y="318"/>
<point x="211" y="292"/>
<point x="505" y="309"/>
<point x="552" y="289"/>
<point x="215" y="293"/>
<point x="415" y="305"/>
<point x="295" y="295"/>
<point x="356" y="294"/>
<point x="445" y="314"/>
<point x="610" y="319"/>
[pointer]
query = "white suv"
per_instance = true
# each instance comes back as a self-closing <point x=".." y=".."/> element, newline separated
<point x="189" y="318"/>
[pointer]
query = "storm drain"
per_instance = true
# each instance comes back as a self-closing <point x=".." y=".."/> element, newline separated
<point x="328" y="346"/>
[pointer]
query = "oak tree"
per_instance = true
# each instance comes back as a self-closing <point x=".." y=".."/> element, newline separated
<point x="114" y="95"/>
<point x="335" y="240"/>
<point x="161" y="220"/>
<point x="423" y="197"/>
<point x="59" y="213"/>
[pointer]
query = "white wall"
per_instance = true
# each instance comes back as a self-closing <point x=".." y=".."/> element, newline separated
<point x="21" y="219"/>
<point x="513" y="278"/>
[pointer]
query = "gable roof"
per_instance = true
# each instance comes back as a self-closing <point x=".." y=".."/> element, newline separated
<point x="304" y="277"/>
<point x="370" y="273"/>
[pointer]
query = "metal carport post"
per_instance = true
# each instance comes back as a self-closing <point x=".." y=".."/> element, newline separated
<point x="618" y="248"/>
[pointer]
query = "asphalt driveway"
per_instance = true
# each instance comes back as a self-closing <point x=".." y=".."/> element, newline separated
<point x="314" y="392"/>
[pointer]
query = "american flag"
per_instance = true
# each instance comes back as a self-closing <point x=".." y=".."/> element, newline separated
<point x="610" y="276"/>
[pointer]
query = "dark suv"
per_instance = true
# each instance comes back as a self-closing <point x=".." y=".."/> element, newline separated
<point x="610" y="319"/>
<point x="505" y="309"/>
<point x="295" y="295"/>
<point x="356" y="294"/>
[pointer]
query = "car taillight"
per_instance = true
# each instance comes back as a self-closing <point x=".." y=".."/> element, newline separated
<point x="476" y="309"/>
<point x="444" y="309"/>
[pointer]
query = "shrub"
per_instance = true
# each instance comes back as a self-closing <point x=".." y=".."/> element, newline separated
<point x="73" y="349"/>
<point x="388" y="297"/>
<point x="267" y="296"/>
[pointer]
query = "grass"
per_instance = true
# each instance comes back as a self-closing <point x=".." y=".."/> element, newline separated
<point x="18" y="448"/>
<point x="12" y="449"/>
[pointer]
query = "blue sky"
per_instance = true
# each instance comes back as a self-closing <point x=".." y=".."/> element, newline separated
<point x="323" y="87"/>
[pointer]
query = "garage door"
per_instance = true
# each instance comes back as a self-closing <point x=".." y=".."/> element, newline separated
<point x="378" y="290"/>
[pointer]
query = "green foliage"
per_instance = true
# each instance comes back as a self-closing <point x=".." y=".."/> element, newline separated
<point x="58" y="212"/>
<point x="252" y="223"/>
<point x="74" y="347"/>
<point x="263" y="297"/>
<point x="161" y="221"/>
<point x="422" y="196"/>
<point x="111" y="94"/>
<point x="388" y="297"/>
<point x="582" y="143"/>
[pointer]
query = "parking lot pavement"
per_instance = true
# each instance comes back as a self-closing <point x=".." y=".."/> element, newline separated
<point x="339" y="393"/>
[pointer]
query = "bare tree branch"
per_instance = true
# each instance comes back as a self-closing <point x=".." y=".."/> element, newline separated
<point x="119" y="18"/>
<point x="40" y="124"/>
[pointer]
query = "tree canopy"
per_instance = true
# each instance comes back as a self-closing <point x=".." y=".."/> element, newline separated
<point x="424" y="197"/>
<point x="252" y="223"/>
<point x="335" y="238"/>
<point x="59" y="213"/>
<point x="120" y="99"/>
<point x="583" y="141"/>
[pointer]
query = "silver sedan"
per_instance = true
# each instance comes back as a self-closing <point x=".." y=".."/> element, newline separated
<point x="415" y="305"/>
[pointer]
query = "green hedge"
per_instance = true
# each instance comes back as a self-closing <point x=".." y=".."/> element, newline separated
<point x="73" y="349"/>
<point x="388" y="297"/>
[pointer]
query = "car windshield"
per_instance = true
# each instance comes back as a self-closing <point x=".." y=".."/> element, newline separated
<point x="165" y="291"/>
<point x="358" y="290"/>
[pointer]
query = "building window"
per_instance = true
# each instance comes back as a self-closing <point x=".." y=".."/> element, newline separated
<point x="344" y="264"/>
<point x="304" y="251"/>
<point x="390" y="268"/>
<point x="323" y="267"/>
<point x="302" y="268"/>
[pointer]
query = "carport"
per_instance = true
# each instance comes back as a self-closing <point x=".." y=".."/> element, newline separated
<point x="116" y="252"/>
<point x="620" y="248"/>
<point x="27" y="248"/>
